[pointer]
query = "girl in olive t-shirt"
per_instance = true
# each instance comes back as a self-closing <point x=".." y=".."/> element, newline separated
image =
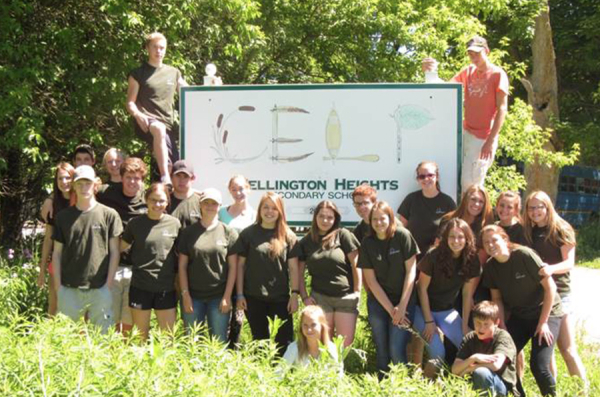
<point x="330" y="252"/>
<point x="267" y="267"/>
<point x="554" y="240"/>
<point x="388" y="258"/>
<point x="447" y="269"/>
<point x="516" y="283"/>
<point x="152" y="238"/>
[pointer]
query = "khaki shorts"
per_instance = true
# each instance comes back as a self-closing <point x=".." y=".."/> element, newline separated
<point x="332" y="304"/>
<point x="120" y="296"/>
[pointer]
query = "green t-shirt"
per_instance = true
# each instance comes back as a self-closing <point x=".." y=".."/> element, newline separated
<point x="501" y="343"/>
<point x="550" y="254"/>
<point x="207" y="251"/>
<point x="518" y="280"/>
<point x="156" y="94"/>
<point x="444" y="290"/>
<point x="85" y="237"/>
<point x="330" y="270"/>
<point x="423" y="215"/>
<point x="387" y="258"/>
<point x="153" y="252"/>
<point x="265" y="278"/>
<point x="187" y="210"/>
<point x="361" y="230"/>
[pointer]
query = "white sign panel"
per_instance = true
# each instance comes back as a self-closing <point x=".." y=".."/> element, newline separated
<point x="318" y="142"/>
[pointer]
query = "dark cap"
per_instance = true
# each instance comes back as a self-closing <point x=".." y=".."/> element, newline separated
<point x="477" y="44"/>
<point x="84" y="148"/>
<point x="183" y="166"/>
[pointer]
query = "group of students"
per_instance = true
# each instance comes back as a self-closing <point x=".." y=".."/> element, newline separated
<point x="121" y="251"/>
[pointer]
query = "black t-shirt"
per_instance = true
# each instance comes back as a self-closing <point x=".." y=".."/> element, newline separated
<point x="550" y="254"/>
<point x="186" y="210"/>
<point x="423" y="215"/>
<point x="265" y="278"/>
<point x="153" y="256"/>
<point x="516" y="233"/>
<point x="58" y="204"/>
<point x="361" y="230"/>
<point x="518" y="280"/>
<point x="444" y="290"/>
<point x="127" y="207"/>
<point x="85" y="237"/>
<point x="330" y="270"/>
<point x="387" y="259"/>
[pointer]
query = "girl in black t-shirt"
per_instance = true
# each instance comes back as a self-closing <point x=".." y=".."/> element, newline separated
<point x="61" y="198"/>
<point x="330" y="254"/>
<point x="513" y="276"/>
<point x="508" y="210"/>
<point x="554" y="240"/>
<point x="445" y="270"/>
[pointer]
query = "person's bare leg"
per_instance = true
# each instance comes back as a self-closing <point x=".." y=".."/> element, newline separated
<point x="568" y="348"/>
<point x="159" y="148"/>
<point x="521" y="365"/>
<point x="166" y="319"/>
<point x="52" y="298"/>
<point x="345" y="325"/>
<point x="415" y="350"/>
<point x="141" y="320"/>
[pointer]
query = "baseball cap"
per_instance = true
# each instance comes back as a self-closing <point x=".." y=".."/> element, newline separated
<point x="211" y="194"/>
<point x="183" y="166"/>
<point x="85" y="148"/>
<point x="477" y="44"/>
<point x="84" y="172"/>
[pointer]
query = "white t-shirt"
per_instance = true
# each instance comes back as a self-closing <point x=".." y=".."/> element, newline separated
<point x="240" y="222"/>
<point x="292" y="357"/>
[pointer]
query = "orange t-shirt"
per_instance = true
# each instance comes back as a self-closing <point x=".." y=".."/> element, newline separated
<point x="480" y="97"/>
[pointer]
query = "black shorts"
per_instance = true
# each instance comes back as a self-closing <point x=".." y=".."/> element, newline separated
<point x="171" y="139"/>
<point x="146" y="300"/>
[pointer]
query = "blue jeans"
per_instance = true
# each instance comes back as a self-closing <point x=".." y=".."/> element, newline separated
<point x="390" y="340"/>
<point x="450" y="322"/>
<point x="208" y="309"/>
<point x="485" y="380"/>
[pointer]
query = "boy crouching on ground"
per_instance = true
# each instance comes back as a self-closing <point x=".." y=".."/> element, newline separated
<point x="488" y="354"/>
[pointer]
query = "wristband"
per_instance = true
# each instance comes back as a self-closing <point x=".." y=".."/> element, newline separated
<point x="295" y="291"/>
<point x="184" y="291"/>
<point x="240" y="296"/>
<point x="429" y="322"/>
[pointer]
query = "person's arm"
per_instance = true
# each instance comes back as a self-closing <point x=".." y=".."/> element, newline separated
<point x="293" y="272"/>
<point x="497" y="299"/>
<point x="133" y="89"/>
<point x="113" y="261"/>
<point x="356" y="272"/>
<point x="409" y="282"/>
<point x="241" y="268"/>
<point x="47" y="211"/>
<point x="377" y="291"/>
<point x="56" y="257"/>
<point x="231" y="278"/>
<point x="467" y="302"/>
<point x="501" y="110"/>
<point x="181" y="83"/>
<point x="542" y="330"/>
<point x="46" y="250"/>
<point x="568" y="263"/>
<point x="422" y="286"/>
<point x="493" y="362"/>
<point x="124" y="246"/>
<point x="186" y="299"/>
<point x="306" y="298"/>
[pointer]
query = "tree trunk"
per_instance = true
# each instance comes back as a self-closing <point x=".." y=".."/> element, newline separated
<point x="542" y="94"/>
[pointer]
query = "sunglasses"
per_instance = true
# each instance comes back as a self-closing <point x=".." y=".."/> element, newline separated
<point x="424" y="176"/>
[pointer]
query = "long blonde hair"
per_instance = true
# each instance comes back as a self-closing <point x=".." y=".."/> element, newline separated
<point x="283" y="234"/>
<point x="317" y="312"/>
<point x="560" y="232"/>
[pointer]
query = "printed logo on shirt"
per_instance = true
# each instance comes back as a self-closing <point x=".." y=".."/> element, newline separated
<point x="194" y="214"/>
<point x="519" y="276"/>
<point x="96" y="227"/>
<point x="394" y="251"/>
<point x="222" y="243"/>
<point x="170" y="82"/>
<point x="478" y="87"/>
<point x="379" y="257"/>
<point x="439" y="211"/>
<point x="167" y="233"/>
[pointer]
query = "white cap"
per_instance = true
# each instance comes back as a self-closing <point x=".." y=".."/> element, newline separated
<point x="211" y="194"/>
<point x="84" y="172"/>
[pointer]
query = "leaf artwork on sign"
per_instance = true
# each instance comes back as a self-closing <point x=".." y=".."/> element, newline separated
<point x="333" y="140"/>
<point x="409" y="118"/>
<point x="221" y="136"/>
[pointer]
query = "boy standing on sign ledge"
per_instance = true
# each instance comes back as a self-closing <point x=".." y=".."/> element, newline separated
<point x="86" y="253"/>
<point x="150" y="97"/>
<point x="488" y="354"/>
<point x="485" y="88"/>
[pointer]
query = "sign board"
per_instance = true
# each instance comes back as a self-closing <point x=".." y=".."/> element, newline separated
<point x="318" y="142"/>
